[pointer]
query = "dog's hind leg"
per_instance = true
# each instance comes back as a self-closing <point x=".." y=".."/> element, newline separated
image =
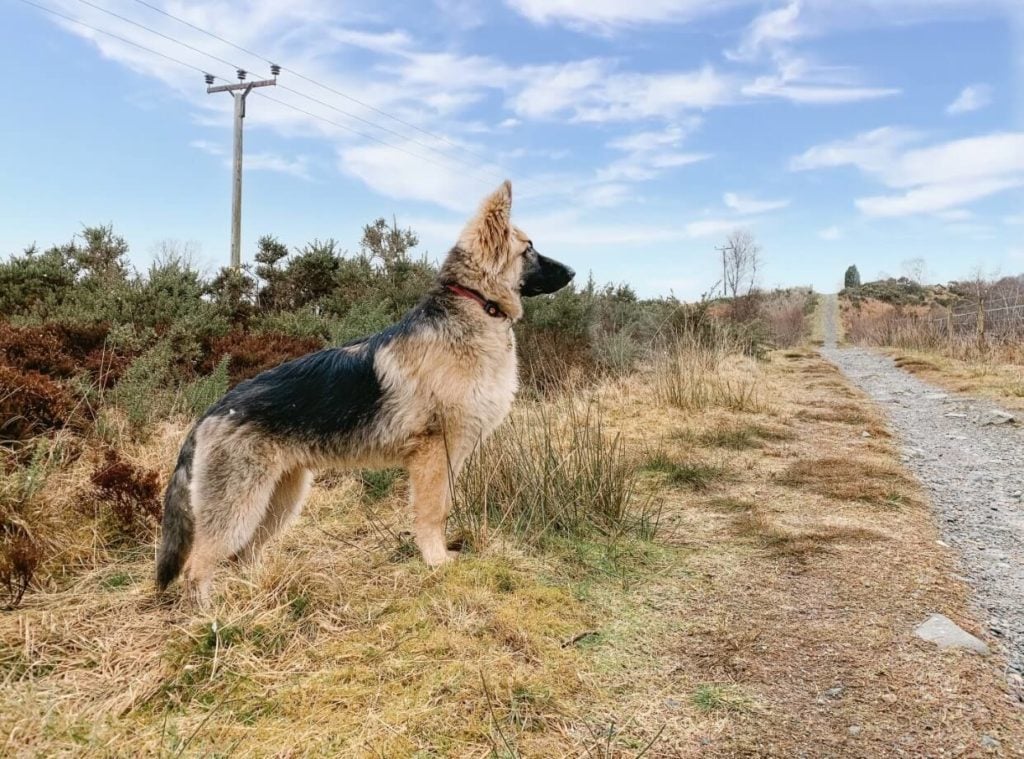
<point x="231" y="493"/>
<point x="431" y="473"/>
<point x="289" y="494"/>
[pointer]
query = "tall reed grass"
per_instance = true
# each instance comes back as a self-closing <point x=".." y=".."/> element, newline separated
<point x="700" y="371"/>
<point x="545" y="473"/>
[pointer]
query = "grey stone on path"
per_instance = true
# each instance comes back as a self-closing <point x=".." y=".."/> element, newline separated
<point x="945" y="633"/>
<point x="972" y="472"/>
<point x="996" y="416"/>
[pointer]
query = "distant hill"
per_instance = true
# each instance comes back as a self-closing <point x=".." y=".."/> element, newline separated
<point x="901" y="291"/>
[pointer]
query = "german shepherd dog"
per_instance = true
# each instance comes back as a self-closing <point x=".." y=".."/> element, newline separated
<point x="420" y="395"/>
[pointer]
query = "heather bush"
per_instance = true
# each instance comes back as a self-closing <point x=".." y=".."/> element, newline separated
<point x="128" y="495"/>
<point x="32" y="404"/>
<point x="23" y="529"/>
<point x="250" y="353"/>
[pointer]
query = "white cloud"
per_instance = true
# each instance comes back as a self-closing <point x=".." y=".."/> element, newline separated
<point x="592" y="91"/>
<point x="934" y="197"/>
<point x="830" y="233"/>
<point x="398" y="175"/>
<point x="748" y="205"/>
<point x="650" y="153"/>
<point x="607" y="195"/>
<point x="801" y="80"/>
<point x="871" y="152"/>
<point x="390" y="43"/>
<point x="264" y="161"/>
<point x="997" y="154"/>
<point x="974" y="97"/>
<point x="765" y="31"/>
<point x="296" y="167"/>
<point x="935" y="178"/>
<point x="209" y="147"/>
<point x="606" y="15"/>
<point x="880" y="153"/>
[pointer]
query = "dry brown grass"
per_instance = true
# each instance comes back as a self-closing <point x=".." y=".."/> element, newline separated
<point x="342" y="643"/>
<point x="1000" y="380"/>
<point x="850" y="479"/>
<point x="791" y="620"/>
<point x="782" y="584"/>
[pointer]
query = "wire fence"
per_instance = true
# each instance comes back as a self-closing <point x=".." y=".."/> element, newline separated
<point x="999" y="320"/>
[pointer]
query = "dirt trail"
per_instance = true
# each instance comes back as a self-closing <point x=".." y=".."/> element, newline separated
<point x="973" y="470"/>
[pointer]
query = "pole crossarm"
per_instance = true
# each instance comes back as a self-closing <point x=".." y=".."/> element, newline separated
<point x="240" y="86"/>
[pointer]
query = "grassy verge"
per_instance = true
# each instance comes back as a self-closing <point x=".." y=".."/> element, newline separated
<point x="1001" y="381"/>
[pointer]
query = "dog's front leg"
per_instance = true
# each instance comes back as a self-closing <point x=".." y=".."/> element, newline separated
<point x="431" y="474"/>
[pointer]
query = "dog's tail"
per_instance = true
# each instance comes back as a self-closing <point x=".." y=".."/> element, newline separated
<point x="178" y="525"/>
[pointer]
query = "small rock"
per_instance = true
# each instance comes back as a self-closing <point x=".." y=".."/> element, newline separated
<point x="836" y="692"/>
<point x="955" y="415"/>
<point x="940" y="543"/>
<point x="854" y="730"/>
<point x="936" y="396"/>
<point x="671" y="703"/>
<point x="945" y="633"/>
<point x="995" y="416"/>
<point x="989" y="742"/>
<point x="865" y="433"/>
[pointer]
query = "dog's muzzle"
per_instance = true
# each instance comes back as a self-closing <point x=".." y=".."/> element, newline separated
<point x="545" y="275"/>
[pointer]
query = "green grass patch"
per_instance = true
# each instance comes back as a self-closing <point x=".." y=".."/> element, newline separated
<point x="692" y="474"/>
<point x="377" y="483"/>
<point x="710" y="697"/>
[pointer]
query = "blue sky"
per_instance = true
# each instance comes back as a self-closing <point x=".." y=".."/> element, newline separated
<point x="636" y="134"/>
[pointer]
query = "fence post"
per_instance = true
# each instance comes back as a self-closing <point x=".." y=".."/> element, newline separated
<point x="981" y="323"/>
<point x="949" y="324"/>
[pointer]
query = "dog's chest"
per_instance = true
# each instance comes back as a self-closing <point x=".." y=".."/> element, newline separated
<point x="493" y="389"/>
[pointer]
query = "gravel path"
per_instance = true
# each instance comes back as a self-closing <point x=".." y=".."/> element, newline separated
<point x="973" y="470"/>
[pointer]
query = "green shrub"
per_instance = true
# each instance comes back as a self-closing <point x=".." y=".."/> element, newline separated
<point x="146" y="392"/>
<point x="200" y="394"/>
<point x="365" y="317"/>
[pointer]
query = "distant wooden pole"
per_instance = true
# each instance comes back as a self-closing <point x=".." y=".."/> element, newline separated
<point x="239" y="92"/>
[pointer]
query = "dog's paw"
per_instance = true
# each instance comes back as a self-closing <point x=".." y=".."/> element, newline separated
<point x="441" y="557"/>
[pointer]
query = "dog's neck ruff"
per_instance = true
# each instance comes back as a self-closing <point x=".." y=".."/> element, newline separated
<point x="489" y="306"/>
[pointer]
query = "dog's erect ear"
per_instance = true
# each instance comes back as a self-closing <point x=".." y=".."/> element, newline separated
<point x="487" y="233"/>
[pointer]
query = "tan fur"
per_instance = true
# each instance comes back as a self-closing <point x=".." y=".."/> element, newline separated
<point x="446" y="391"/>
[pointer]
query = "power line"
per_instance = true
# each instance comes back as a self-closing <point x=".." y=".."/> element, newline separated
<point x="286" y="104"/>
<point x="305" y="78"/>
<point x="118" y="37"/>
<point x="283" y="87"/>
<point x="159" y="34"/>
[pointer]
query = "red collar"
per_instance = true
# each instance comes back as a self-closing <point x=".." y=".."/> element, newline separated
<point x="489" y="306"/>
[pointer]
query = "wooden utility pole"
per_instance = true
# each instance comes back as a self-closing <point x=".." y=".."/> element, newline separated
<point x="239" y="92"/>
<point x="725" y="278"/>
